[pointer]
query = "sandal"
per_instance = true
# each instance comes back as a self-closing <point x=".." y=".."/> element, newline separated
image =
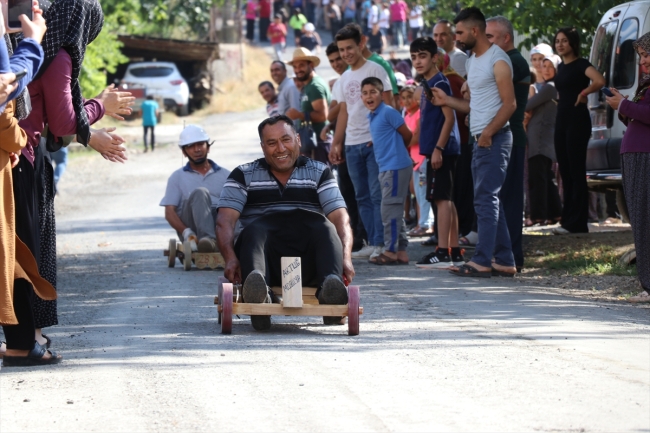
<point x="498" y="273"/>
<point x="470" y="271"/>
<point x="417" y="233"/>
<point x="383" y="259"/>
<point x="48" y="341"/>
<point x="33" y="358"/>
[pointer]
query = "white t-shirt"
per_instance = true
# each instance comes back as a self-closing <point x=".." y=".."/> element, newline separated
<point x="384" y="20"/>
<point x="373" y="16"/>
<point x="358" y="129"/>
<point x="458" y="60"/>
<point x="415" y="21"/>
<point x="485" y="100"/>
<point x="337" y="94"/>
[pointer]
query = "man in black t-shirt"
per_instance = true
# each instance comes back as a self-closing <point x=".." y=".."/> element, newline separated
<point x="500" y="32"/>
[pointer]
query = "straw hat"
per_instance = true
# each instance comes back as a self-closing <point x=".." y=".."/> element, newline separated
<point x="304" y="54"/>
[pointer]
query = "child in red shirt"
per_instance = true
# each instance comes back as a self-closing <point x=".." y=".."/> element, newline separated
<point x="278" y="34"/>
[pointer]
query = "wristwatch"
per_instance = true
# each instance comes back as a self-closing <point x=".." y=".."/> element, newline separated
<point x="441" y="149"/>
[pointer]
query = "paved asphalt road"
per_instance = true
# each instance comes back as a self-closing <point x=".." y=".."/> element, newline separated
<point x="143" y="350"/>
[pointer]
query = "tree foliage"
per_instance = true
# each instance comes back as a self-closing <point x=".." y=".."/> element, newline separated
<point x="181" y="19"/>
<point x="102" y="55"/>
<point x="538" y="19"/>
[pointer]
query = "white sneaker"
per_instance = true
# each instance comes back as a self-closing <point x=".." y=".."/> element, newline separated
<point x="560" y="231"/>
<point x="375" y="253"/>
<point x="193" y="243"/>
<point x="364" y="252"/>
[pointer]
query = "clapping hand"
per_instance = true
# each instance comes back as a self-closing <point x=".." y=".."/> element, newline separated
<point x="116" y="102"/>
<point x="108" y="144"/>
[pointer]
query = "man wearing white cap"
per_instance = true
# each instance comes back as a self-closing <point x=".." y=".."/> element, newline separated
<point x="193" y="192"/>
<point x="315" y="99"/>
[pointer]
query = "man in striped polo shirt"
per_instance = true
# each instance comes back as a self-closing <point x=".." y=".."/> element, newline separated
<point x="288" y="206"/>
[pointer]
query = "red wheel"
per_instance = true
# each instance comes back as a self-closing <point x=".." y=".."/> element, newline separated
<point x="353" y="310"/>
<point x="220" y="282"/>
<point x="226" y="308"/>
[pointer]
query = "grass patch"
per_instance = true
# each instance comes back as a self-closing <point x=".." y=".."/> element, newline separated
<point x="592" y="260"/>
<point x="242" y="95"/>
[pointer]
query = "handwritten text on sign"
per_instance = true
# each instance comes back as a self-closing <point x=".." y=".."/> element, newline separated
<point x="291" y="282"/>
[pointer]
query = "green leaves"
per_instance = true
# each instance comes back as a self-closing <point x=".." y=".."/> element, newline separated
<point x="102" y="55"/>
<point x="539" y="20"/>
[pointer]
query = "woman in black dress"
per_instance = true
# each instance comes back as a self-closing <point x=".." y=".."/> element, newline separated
<point x="576" y="78"/>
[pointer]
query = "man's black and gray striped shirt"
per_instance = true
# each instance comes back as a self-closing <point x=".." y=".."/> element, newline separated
<point x="253" y="191"/>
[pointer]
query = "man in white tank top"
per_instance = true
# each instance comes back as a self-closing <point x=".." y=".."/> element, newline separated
<point x="492" y="102"/>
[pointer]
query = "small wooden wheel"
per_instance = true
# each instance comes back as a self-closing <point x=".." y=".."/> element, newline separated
<point x="171" y="259"/>
<point x="221" y="282"/>
<point x="187" y="252"/>
<point x="353" y="310"/>
<point x="226" y="308"/>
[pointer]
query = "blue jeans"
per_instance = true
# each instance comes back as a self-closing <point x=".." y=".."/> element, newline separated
<point x="399" y="33"/>
<point x="512" y="196"/>
<point x="489" y="167"/>
<point x="364" y="173"/>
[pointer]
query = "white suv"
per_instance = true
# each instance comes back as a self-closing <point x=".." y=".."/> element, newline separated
<point x="163" y="81"/>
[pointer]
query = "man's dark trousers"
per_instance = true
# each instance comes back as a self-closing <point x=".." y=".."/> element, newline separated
<point x="294" y="233"/>
<point x="512" y="196"/>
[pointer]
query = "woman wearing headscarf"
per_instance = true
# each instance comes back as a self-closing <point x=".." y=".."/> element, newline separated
<point x="57" y="104"/>
<point x="537" y="56"/>
<point x="20" y="280"/>
<point x="635" y="163"/>
<point x="544" y="198"/>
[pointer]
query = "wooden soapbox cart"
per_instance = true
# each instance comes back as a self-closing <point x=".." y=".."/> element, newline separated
<point x="201" y="260"/>
<point x="294" y="300"/>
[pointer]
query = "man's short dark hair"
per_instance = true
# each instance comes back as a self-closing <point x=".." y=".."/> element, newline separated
<point x="266" y="83"/>
<point x="272" y="121"/>
<point x="373" y="81"/>
<point x="424" y="45"/>
<point x="473" y="15"/>
<point x="350" y="31"/>
<point x="279" y="62"/>
<point x="150" y="97"/>
<point x="331" y="49"/>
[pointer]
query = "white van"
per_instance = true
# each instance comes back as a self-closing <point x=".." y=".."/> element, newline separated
<point x="613" y="55"/>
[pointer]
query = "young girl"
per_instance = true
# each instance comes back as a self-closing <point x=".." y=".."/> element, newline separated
<point x="418" y="181"/>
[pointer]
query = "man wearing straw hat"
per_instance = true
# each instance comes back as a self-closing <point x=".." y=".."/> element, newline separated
<point x="315" y="98"/>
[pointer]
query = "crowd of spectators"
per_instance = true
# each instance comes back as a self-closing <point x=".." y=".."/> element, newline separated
<point x="385" y="23"/>
<point x="541" y="140"/>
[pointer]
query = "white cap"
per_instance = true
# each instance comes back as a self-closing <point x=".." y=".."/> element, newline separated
<point x="543" y="49"/>
<point x="400" y="78"/>
<point x="193" y="134"/>
<point x="309" y="27"/>
<point x="554" y="59"/>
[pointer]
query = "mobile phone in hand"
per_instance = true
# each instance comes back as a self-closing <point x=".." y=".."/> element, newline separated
<point x="19" y="75"/>
<point x="607" y="92"/>
<point x="427" y="89"/>
<point x="15" y="9"/>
